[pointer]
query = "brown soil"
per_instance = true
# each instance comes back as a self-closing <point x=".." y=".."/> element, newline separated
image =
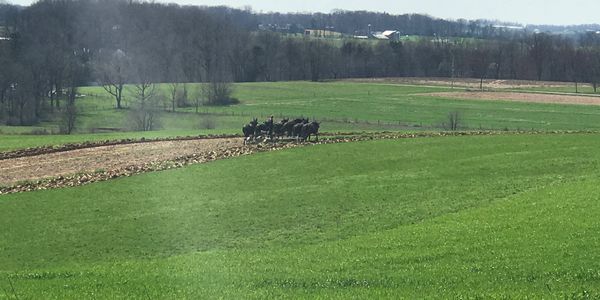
<point x="469" y="82"/>
<point x="521" y="97"/>
<point x="105" y="158"/>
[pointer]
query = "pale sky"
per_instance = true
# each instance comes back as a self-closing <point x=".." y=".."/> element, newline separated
<point x="527" y="12"/>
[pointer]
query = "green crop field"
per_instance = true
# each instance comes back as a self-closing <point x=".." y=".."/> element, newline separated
<point x="341" y="106"/>
<point x="457" y="217"/>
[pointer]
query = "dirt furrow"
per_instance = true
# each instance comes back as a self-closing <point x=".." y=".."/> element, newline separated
<point x="104" y="158"/>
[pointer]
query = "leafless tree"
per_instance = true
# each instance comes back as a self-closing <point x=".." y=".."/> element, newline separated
<point x="178" y="95"/>
<point x="198" y="96"/>
<point x="70" y="111"/>
<point x="454" y="121"/>
<point x="173" y="94"/>
<point x="481" y="64"/>
<point x="541" y="45"/>
<point x="145" y="112"/>
<point x="595" y="69"/>
<point x="183" y="96"/>
<point x="218" y="92"/>
<point x="113" y="74"/>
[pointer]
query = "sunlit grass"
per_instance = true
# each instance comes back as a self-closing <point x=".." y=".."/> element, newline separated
<point x="497" y="216"/>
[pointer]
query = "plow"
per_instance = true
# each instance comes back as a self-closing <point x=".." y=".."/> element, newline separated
<point x="300" y="130"/>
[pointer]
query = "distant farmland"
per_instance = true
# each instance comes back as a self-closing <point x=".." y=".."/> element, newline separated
<point x="342" y="106"/>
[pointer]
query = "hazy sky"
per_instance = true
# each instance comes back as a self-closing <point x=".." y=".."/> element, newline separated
<point x="523" y="11"/>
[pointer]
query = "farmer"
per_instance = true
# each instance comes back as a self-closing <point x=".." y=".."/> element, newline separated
<point x="270" y="126"/>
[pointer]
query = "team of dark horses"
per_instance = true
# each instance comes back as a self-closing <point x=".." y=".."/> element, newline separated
<point x="301" y="129"/>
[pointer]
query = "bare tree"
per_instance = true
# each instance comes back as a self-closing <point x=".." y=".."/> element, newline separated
<point x="541" y="45"/>
<point x="480" y="64"/>
<point x="6" y="73"/>
<point x="173" y="93"/>
<point x="113" y="74"/>
<point x="454" y="120"/>
<point x="218" y="92"/>
<point x="183" y="96"/>
<point x="70" y="112"/>
<point x="315" y="50"/>
<point x="198" y="96"/>
<point x="144" y="115"/>
<point x="576" y="67"/>
<point x="145" y="111"/>
<point x="595" y="69"/>
<point x="173" y="70"/>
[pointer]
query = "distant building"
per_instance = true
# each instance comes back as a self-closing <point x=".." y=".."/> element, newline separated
<point x="393" y="35"/>
<point x="387" y="35"/>
<point x="378" y="35"/>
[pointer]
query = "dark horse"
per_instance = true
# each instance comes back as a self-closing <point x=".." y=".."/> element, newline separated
<point x="308" y="130"/>
<point x="265" y="128"/>
<point x="278" y="127"/>
<point x="288" y="127"/>
<point x="249" y="130"/>
<point x="297" y="130"/>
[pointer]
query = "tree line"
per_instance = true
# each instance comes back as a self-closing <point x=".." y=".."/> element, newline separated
<point x="359" y="22"/>
<point x="50" y="48"/>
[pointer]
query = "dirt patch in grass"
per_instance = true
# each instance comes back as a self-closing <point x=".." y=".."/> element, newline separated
<point x="520" y="97"/>
<point x="105" y="158"/>
<point x="470" y="82"/>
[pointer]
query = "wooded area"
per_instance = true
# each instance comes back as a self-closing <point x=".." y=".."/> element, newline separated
<point x="51" y="47"/>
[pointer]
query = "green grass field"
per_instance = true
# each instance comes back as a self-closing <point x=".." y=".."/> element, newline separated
<point x="456" y="217"/>
<point x="341" y="106"/>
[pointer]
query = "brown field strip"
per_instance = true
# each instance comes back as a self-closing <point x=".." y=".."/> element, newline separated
<point x="105" y="158"/>
<point x="519" y="97"/>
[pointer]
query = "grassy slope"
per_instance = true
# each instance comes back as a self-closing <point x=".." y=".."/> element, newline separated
<point x="504" y="215"/>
